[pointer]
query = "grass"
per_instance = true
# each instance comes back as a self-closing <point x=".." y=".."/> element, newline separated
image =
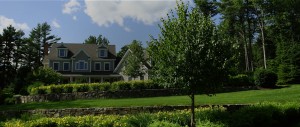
<point x="282" y="95"/>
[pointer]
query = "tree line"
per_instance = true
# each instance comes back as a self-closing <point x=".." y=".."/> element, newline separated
<point x="264" y="34"/>
<point x="20" y="55"/>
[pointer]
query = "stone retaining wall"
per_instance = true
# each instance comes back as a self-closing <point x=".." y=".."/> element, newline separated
<point x="109" y="110"/>
<point x="100" y="94"/>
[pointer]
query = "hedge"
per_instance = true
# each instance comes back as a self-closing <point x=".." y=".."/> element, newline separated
<point x="265" y="114"/>
<point x="115" y="86"/>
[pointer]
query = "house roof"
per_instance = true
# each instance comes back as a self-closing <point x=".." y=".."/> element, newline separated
<point x="128" y="52"/>
<point x="90" y="49"/>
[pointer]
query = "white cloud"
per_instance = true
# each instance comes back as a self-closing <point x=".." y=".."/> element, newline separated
<point x="5" y="22"/>
<point x="55" y="24"/>
<point x="74" y="18"/>
<point x="105" y="12"/>
<point x="127" y="29"/>
<point x="71" y="7"/>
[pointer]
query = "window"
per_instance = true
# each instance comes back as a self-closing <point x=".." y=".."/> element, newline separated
<point x="56" y="66"/>
<point x="106" y="66"/>
<point x="97" y="66"/>
<point x="66" y="66"/>
<point x="62" y="53"/>
<point x="103" y="53"/>
<point x="81" y="65"/>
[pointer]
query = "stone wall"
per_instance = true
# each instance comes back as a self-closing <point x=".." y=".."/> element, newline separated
<point x="100" y="94"/>
<point x="109" y="110"/>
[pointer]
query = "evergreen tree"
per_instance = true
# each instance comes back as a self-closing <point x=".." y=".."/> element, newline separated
<point x="41" y="35"/>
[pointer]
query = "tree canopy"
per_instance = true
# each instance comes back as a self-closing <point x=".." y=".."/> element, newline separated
<point x="135" y="60"/>
<point x="189" y="52"/>
<point x="96" y="40"/>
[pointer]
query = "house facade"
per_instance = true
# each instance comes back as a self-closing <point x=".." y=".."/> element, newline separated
<point x="87" y="63"/>
<point x="83" y="62"/>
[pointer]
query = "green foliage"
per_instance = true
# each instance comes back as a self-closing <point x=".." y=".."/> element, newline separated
<point x="135" y="59"/>
<point x="120" y="85"/>
<point x="183" y="53"/>
<point x="240" y="80"/>
<point x="122" y="52"/>
<point x="81" y="88"/>
<point x="6" y="95"/>
<point x="97" y="40"/>
<point x="263" y="114"/>
<point x="265" y="78"/>
<point x="47" y="75"/>
<point x="163" y="124"/>
<point x="286" y="74"/>
<point x="38" y="88"/>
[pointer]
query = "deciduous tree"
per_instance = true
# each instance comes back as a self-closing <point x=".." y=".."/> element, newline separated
<point x="189" y="51"/>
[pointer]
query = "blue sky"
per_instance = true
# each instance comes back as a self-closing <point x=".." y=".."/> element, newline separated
<point x="121" y="21"/>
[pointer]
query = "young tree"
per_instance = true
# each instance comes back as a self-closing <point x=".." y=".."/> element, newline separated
<point x="133" y="66"/>
<point x="189" y="51"/>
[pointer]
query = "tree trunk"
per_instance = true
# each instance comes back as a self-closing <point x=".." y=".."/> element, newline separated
<point x="193" y="109"/>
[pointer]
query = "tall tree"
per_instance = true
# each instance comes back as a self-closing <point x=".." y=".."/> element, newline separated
<point x="122" y="52"/>
<point x="134" y="61"/>
<point x="96" y="40"/>
<point x="207" y="7"/>
<point x="11" y="40"/>
<point x="41" y="35"/>
<point x="189" y="52"/>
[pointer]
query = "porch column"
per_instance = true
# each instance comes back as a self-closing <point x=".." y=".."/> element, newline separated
<point x="71" y="79"/>
<point x="89" y="79"/>
<point x="101" y="79"/>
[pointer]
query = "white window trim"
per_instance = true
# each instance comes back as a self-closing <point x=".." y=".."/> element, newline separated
<point x="84" y="62"/>
<point x="108" y="64"/>
<point x="54" y="67"/>
<point x="64" y="66"/>
<point x="105" y="52"/>
<point x="95" y="66"/>
<point x="65" y="53"/>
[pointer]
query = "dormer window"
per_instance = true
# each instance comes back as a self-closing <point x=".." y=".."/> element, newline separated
<point x="102" y="53"/>
<point x="62" y="52"/>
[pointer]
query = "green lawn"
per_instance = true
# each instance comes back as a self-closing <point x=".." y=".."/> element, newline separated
<point x="286" y="94"/>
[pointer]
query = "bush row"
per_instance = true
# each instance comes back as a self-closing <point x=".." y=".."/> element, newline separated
<point x="266" y="115"/>
<point x="115" y="86"/>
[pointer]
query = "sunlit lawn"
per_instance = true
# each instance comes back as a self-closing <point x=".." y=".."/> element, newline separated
<point x="290" y="93"/>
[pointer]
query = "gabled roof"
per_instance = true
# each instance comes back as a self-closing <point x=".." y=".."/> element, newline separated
<point x="89" y="49"/>
<point x="128" y="52"/>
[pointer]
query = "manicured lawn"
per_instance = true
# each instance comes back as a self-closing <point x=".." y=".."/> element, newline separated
<point x="285" y="94"/>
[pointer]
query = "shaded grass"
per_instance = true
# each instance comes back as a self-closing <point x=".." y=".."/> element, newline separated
<point x="282" y="95"/>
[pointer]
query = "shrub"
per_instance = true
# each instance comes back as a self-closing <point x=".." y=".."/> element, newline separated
<point x="67" y="88"/>
<point x="240" y="80"/>
<point x="106" y="86"/>
<point x="34" y="85"/>
<point x="265" y="78"/>
<point x="138" y="85"/>
<point x="55" y="89"/>
<point x="163" y="124"/>
<point x="286" y="74"/>
<point x="82" y="88"/>
<point x="120" y="85"/>
<point x="47" y="75"/>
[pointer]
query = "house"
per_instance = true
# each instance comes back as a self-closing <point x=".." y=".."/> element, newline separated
<point x="83" y="62"/>
<point x="88" y="63"/>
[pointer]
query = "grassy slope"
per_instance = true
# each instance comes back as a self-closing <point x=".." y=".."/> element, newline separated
<point x="291" y="93"/>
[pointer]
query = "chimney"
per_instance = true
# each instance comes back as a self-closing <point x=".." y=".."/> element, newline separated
<point x="46" y="48"/>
